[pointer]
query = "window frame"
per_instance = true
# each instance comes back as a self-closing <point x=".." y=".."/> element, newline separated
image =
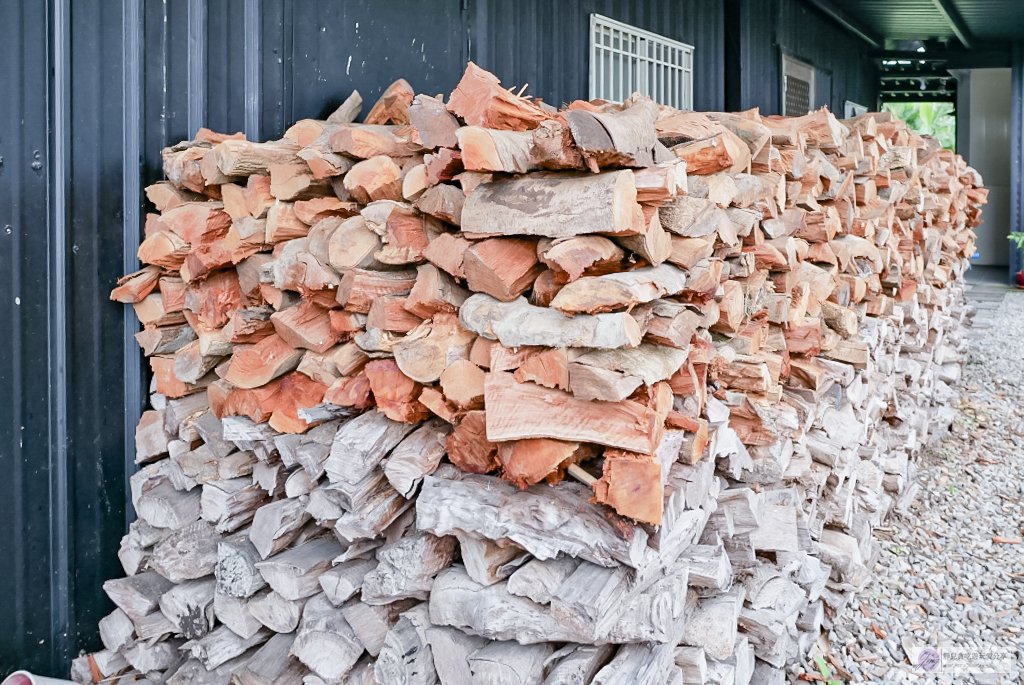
<point x="798" y="69"/>
<point x="664" y="73"/>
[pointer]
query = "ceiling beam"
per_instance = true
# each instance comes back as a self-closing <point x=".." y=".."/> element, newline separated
<point x="973" y="59"/>
<point x="851" y="24"/>
<point x="956" y="22"/>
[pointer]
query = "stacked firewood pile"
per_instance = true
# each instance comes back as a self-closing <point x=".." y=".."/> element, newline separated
<point x="481" y="391"/>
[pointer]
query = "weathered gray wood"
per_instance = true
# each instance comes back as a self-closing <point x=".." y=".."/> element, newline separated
<point x="490" y="611"/>
<point x="293" y="574"/>
<point x="709" y="566"/>
<point x="610" y="292"/>
<point x="556" y="206"/>
<point x="378" y="511"/>
<point x="488" y="561"/>
<point x="165" y="507"/>
<point x="543" y="520"/>
<point x="234" y="613"/>
<point x="509" y="663"/>
<point x="623" y="138"/>
<point x="189" y="606"/>
<point x="236" y="570"/>
<point x="407" y="568"/>
<point x="153" y="627"/>
<point x="187" y="553"/>
<point x="713" y="624"/>
<point x="371" y="622"/>
<point x="137" y="595"/>
<point x="222" y="645"/>
<point x="344" y="580"/>
<point x="348" y="110"/>
<point x="591" y="598"/>
<point x="147" y="657"/>
<point x="276" y="525"/>
<point x="577" y="664"/>
<point x="520" y="324"/>
<point x="417" y="455"/>
<point x="231" y="504"/>
<point x="361" y="444"/>
<point x="539" y="580"/>
<point x="309" y="449"/>
<point x="325" y="641"/>
<point x="638" y="665"/>
<point x="273" y="665"/>
<point x="116" y="630"/>
<point x="405" y="658"/>
<point x="275" y="612"/>
<point x="451" y="649"/>
<point x="694" y="664"/>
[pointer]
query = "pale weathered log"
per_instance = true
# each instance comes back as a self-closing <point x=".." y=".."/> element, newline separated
<point x="325" y="642"/>
<point x="276" y="525"/>
<point x="234" y="613"/>
<point x="344" y="580"/>
<point x="509" y="663"/>
<point x="610" y="292"/>
<point x="624" y="138"/>
<point x="407" y="568"/>
<point x="416" y="456"/>
<point x="577" y="663"/>
<point x="189" y="606"/>
<point x="137" y="595"/>
<point x="361" y="444"/>
<point x="518" y="324"/>
<point x="293" y="574"/>
<point x="237" y="575"/>
<point x="187" y="553"/>
<point x="273" y="664"/>
<point x="222" y="645"/>
<point x="405" y="658"/>
<point x="275" y="612"/>
<point x="539" y="580"/>
<point x="565" y="206"/>
<point x="451" y="649"/>
<point x="478" y="505"/>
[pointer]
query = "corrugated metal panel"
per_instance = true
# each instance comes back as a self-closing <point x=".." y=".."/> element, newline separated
<point x="547" y="44"/>
<point x="768" y="29"/>
<point x="61" y="364"/>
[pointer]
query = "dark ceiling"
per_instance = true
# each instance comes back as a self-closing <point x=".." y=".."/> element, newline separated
<point x="981" y="21"/>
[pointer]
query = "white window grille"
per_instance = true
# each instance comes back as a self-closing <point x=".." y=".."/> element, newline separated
<point x="798" y="87"/>
<point x="851" y="109"/>
<point x="625" y="59"/>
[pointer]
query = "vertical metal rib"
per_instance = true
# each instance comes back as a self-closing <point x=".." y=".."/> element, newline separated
<point x="196" y="65"/>
<point x="253" y="69"/>
<point x="131" y="191"/>
<point x="60" y="541"/>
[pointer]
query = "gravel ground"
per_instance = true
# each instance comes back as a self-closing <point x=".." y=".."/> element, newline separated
<point x="941" y="576"/>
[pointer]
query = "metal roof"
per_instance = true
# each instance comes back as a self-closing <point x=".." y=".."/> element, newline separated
<point x="901" y="20"/>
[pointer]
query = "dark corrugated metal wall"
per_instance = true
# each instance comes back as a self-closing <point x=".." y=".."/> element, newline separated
<point x="96" y="87"/>
<point x="61" y="367"/>
<point x="760" y="31"/>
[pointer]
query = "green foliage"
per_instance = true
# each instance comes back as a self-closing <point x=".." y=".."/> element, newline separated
<point x="928" y="119"/>
<point x="826" y="673"/>
<point x="1018" y="239"/>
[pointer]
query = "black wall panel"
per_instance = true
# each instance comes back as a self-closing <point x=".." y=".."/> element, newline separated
<point x="760" y="31"/>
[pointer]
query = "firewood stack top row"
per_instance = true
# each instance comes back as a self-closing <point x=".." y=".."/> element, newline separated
<point x="483" y="392"/>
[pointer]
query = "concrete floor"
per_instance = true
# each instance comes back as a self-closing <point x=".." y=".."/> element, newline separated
<point x="989" y="274"/>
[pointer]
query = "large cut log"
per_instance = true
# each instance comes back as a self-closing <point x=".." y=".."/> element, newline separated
<point x="554" y="206"/>
<point x="325" y="642"/>
<point x="519" y="324"/>
<point x="624" y="138"/>
<point x="595" y="294"/>
<point x="543" y="520"/>
<point x="517" y="411"/>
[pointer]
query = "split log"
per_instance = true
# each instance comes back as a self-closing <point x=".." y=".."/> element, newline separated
<point x="361" y="444"/>
<point x="262" y="363"/>
<point x="407" y="568"/>
<point x="595" y="294"/>
<point x="325" y="641"/>
<point x="481" y="101"/>
<point x="245" y="158"/>
<point x="468" y="446"/>
<point x="393" y="105"/>
<point x="481" y="506"/>
<point x="428" y="350"/>
<point x="503" y="268"/>
<point x="589" y="255"/>
<point x="293" y="574"/>
<point x="376" y="178"/>
<point x="631" y="484"/>
<point x="509" y="663"/>
<point x="517" y="324"/>
<point x="526" y="462"/>
<point x="435" y="125"/>
<point x="623" y="138"/>
<point x="557" y="206"/>
<point x="492" y="150"/>
<point x="405" y="657"/>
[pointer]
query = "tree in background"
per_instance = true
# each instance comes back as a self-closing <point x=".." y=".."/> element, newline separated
<point x="928" y="119"/>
